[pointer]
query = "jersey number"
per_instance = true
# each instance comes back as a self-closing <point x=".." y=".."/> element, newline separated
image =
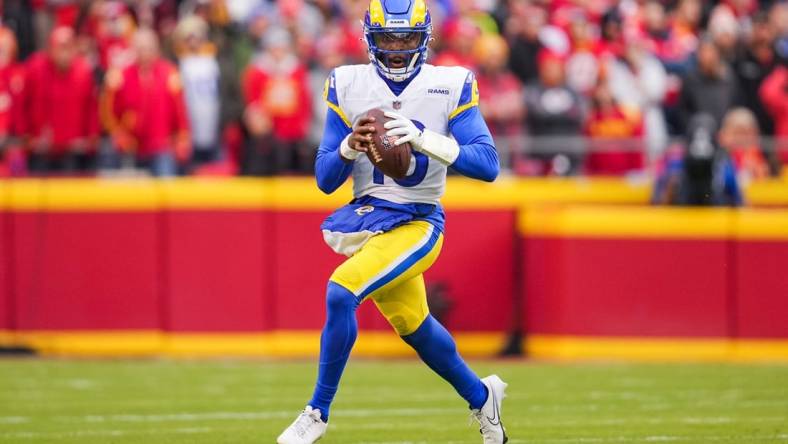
<point x="419" y="173"/>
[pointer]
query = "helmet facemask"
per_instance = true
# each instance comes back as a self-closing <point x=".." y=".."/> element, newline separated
<point x="397" y="53"/>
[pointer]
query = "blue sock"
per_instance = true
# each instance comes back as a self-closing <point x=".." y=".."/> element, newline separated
<point x="336" y="341"/>
<point x="436" y="348"/>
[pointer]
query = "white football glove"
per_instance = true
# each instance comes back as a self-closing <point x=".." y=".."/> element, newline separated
<point x="437" y="146"/>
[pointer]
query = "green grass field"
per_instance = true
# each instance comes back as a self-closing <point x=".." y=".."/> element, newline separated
<point x="211" y="401"/>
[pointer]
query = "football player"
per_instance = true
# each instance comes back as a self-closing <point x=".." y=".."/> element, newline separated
<point x="392" y="231"/>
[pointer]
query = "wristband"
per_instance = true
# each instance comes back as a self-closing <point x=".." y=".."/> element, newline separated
<point x="346" y="151"/>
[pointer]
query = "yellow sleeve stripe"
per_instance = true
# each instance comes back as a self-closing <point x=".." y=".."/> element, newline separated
<point x="340" y="113"/>
<point x="474" y="102"/>
<point x="459" y="110"/>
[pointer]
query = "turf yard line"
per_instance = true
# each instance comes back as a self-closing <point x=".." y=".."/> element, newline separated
<point x="460" y="423"/>
<point x="570" y="424"/>
<point x="418" y="442"/>
<point x="241" y="416"/>
<point x="591" y="422"/>
<point x="100" y="433"/>
<point x="14" y="419"/>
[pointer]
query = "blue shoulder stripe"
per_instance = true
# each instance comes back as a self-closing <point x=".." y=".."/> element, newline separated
<point x="467" y="90"/>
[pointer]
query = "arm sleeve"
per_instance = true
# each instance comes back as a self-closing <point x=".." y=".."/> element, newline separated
<point x="478" y="158"/>
<point x="331" y="171"/>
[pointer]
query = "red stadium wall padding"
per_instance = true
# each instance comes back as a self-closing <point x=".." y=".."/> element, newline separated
<point x="477" y="268"/>
<point x="88" y="271"/>
<point x="303" y="265"/>
<point x="628" y="287"/>
<point x="301" y="270"/>
<point x="646" y="287"/>
<point x="762" y="289"/>
<point x="219" y="270"/>
<point x="541" y="284"/>
<point x="6" y="321"/>
<point x="251" y="270"/>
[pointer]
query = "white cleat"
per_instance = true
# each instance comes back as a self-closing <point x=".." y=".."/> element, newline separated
<point x="489" y="416"/>
<point x="306" y="429"/>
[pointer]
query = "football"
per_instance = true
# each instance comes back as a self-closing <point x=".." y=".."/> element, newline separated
<point x="392" y="160"/>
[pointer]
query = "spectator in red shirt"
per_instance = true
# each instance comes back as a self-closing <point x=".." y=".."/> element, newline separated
<point x="278" y="111"/>
<point x="616" y="135"/>
<point x="143" y="109"/>
<point x="774" y="95"/>
<point x="60" y="107"/>
<point x="12" y="82"/>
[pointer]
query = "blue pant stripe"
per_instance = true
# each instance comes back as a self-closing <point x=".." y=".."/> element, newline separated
<point x="404" y="265"/>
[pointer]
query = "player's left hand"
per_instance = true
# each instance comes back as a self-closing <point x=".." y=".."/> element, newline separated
<point x="404" y="127"/>
<point x="435" y="145"/>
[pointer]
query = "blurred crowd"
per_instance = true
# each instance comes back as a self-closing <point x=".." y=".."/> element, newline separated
<point x="228" y="87"/>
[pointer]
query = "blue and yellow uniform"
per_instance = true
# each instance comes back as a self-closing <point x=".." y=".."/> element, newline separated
<point x="392" y="231"/>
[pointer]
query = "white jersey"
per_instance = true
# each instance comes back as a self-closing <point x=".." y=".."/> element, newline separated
<point x="432" y="98"/>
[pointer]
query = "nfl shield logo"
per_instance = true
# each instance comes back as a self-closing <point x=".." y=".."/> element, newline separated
<point x="397" y="104"/>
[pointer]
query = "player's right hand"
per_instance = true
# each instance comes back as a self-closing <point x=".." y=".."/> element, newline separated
<point x="358" y="141"/>
<point x="362" y="134"/>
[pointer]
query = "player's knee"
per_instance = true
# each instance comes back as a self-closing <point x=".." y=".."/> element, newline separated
<point x="403" y="318"/>
<point x="406" y="325"/>
<point x="432" y="332"/>
<point x="340" y="298"/>
<point x="401" y="325"/>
